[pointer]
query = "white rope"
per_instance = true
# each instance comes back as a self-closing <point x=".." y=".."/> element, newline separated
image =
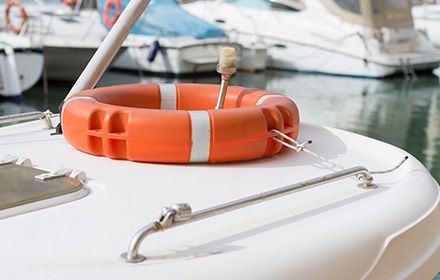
<point x="301" y="148"/>
<point x="392" y="169"/>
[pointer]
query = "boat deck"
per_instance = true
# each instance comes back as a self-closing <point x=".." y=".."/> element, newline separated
<point x="333" y="231"/>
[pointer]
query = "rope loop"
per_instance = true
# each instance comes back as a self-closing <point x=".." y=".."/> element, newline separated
<point x="301" y="147"/>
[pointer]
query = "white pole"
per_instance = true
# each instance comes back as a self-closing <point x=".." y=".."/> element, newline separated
<point x="109" y="47"/>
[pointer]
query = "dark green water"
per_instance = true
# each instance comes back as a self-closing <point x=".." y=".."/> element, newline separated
<point x="403" y="113"/>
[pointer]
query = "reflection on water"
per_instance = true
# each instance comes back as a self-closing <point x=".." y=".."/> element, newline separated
<point x="399" y="112"/>
<point x="403" y="113"/>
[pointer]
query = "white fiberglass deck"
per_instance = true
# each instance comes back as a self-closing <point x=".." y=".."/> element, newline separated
<point x="334" y="231"/>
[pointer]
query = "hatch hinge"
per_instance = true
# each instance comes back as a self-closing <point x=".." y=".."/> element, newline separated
<point x="62" y="172"/>
<point x="11" y="159"/>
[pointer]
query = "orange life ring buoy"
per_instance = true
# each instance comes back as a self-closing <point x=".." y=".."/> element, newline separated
<point x="15" y="3"/>
<point x="70" y="3"/>
<point x="177" y="123"/>
<point x="109" y="22"/>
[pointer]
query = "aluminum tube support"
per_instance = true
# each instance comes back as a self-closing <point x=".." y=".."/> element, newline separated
<point x="22" y="117"/>
<point x="222" y="93"/>
<point x="29" y="116"/>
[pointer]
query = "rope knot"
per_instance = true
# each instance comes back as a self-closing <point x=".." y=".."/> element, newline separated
<point x="300" y="148"/>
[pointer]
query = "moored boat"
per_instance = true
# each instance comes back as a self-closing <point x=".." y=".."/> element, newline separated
<point x="69" y="37"/>
<point x="171" y="41"/>
<point x="351" y="38"/>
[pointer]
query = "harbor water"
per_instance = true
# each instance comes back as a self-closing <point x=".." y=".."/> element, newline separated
<point x="401" y="112"/>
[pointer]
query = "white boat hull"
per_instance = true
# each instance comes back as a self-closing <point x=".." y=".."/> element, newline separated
<point x="312" y="59"/>
<point x="334" y="231"/>
<point x="183" y="55"/>
<point x="30" y="67"/>
<point x="427" y="19"/>
<point x="20" y="70"/>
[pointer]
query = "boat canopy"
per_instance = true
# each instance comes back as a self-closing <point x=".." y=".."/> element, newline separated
<point x="374" y="13"/>
<point x="165" y="18"/>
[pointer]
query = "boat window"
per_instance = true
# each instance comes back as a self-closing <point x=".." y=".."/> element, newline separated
<point x="374" y="13"/>
<point x="398" y="10"/>
<point x="292" y="5"/>
<point x="348" y="10"/>
<point x="397" y="4"/>
<point x="377" y="6"/>
<point x="349" y="5"/>
<point x="391" y="13"/>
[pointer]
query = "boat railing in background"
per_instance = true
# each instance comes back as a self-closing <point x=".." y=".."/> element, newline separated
<point x="45" y="116"/>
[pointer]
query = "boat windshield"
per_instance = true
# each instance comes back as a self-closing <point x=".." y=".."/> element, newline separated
<point x="349" y="5"/>
<point x="374" y="13"/>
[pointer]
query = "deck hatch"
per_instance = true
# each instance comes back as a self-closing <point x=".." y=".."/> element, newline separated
<point x="21" y="192"/>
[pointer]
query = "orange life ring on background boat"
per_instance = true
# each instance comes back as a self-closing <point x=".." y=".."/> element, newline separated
<point x="109" y="22"/>
<point x="15" y="3"/>
<point x="177" y="123"/>
<point x="70" y="3"/>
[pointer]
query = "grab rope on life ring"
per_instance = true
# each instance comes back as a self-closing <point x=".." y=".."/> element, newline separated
<point x="116" y="11"/>
<point x="15" y="3"/>
<point x="177" y="123"/>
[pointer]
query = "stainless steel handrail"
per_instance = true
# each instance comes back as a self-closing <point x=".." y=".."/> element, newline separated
<point x="45" y="116"/>
<point x="179" y="214"/>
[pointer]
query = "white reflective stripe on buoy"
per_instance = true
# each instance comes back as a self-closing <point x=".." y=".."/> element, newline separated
<point x="264" y="98"/>
<point x="76" y="98"/>
<point x="168" y="96"/>
<point x="200" y="136"/>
